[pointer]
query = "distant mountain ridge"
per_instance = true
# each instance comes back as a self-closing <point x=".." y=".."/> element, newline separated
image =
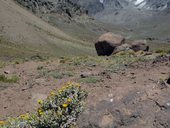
<point x="99" y="5"/>
<point x="151" y="4"/>
<point x="142" y="17"/>
<point x="78" y="7"/>
<point x="63" y="7"/>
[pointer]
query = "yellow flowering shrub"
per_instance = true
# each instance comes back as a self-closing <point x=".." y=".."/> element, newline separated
<point x="2" y="122"/>
<point x="60" y="110"/>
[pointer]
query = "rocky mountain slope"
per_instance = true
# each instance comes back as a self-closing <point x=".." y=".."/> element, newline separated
<point x="140" y="17"/>
<point x="64" y="7"/>
<point x="156" y="5"/>
<point x="151" y="4"/>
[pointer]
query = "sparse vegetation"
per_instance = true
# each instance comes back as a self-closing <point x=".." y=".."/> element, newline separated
<point x="159" y="51"/>
<point x="38" y="57"/>
<point x="163" y="51"/>
<point x="56" y="73"/>
<point x="9" y="79"/>
<point x="40" y="67"/>
<point x="112" y="63"/>
<point x="60" y="110"/>
<point x="60" y="75"/>
<point x="115" y="84"/>
<point x="12" y="51"/>
<point x="2" y="64"/>
<point x="90" y="79"/>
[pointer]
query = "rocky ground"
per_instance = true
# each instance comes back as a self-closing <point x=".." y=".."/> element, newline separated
<point x="132" y="95"/>
<point x="126" y="90"/>
<point x="132" y="98"/>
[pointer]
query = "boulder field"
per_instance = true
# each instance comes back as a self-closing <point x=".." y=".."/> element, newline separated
<point x="110" y="43"/>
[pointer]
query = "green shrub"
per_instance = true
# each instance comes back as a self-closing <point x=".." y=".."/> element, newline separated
<point x="38" y="57"/>
<point x="56" y="75"/>
<point x="40" y="67"/>
<point x="168" y="51"/>
<point x="163" y="51"/>
<point x="2" y="64"/>
<point x="159" y="51"/>
<point x="60" y="110"/>
<point x="90" y="79"/>
<point x="59" y="75"/>
<point x="9" y="79"/>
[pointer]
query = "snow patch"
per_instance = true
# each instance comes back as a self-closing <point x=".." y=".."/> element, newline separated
<point x="164" y="7"/>
<point x="101" y="1"/>
<point x="139" y="2"/>
<point x="142" y="4"/>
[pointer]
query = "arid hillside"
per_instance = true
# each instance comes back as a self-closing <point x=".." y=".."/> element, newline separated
<point x="30" y="33"/>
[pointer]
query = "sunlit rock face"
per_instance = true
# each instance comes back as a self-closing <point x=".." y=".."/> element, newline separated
<point x="151" y="4"/>
<point x="95" y="6"/>
<point x="145" y="4"/>
<point x="92" y="6"/>
<point x="64" y="7"/>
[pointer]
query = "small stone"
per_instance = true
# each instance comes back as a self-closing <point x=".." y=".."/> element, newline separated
<point x="5" y="107"/>
<point x="168" y="81"/>
<point x="110" y="95"/>
<point x="107" y="121"/>
<point x="85" y="75"/>
<point x="111" y="100"/>
<point x="162" y="84"/>
<point x="139" y="46"/>
<point x="6" y="72"/>
<point x="168" y="104"/>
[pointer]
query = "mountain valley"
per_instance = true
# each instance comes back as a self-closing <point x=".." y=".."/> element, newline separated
<point x="85" y="64"/>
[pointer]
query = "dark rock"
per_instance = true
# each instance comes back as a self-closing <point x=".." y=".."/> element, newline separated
<point x="168" y="81"/>
<point x="6" y="72"/>
<point x="162" y="85"/>
<point x="123" y="47"/>
<point x="64" y="7"/>
<point x="106" y="121"/>
<point x="95" y="115"/>
<point x="139" y="45"/>
<point x="85" y="75"/>
<point x="93" y="6"/>
<point x="107" y="43"/>
<point x="162" y="120"/>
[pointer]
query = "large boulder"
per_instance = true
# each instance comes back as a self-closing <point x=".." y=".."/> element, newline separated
<point x="107" y="43"/>
<point x="139" y="45"/>
<point x="168" y="80"/>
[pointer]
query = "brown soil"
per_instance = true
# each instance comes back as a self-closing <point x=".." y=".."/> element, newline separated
<point x="131" y="98"/>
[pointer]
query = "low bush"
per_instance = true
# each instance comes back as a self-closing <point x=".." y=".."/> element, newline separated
<point x="163" y="51"/>
<point x="2" y="64"/>
<point x="90" y="80"/>
<point x="38" y="57"/>
<point x="59" y="75"/>
<point x="60" y="110"/>
<point x="9" y="79"/>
